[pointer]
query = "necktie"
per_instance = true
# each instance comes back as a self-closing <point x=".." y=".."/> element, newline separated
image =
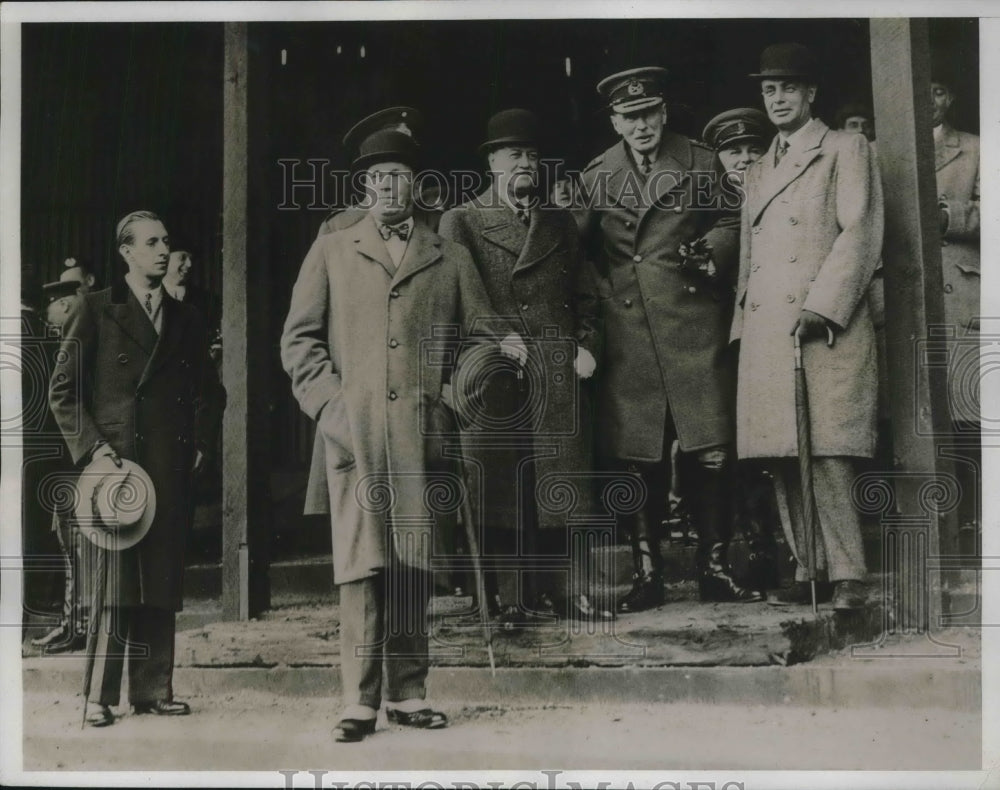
<point x="523" y="215"/>
<point x="646" y="167"/>
<point x="781" y="150"/>
<point x="153" y="315"/>
<point x="149" y="304"/>
<point x="400" y="231"/>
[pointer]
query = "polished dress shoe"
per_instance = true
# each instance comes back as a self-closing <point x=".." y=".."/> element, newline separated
<point x="646" y="592"/>
<point x="163" y="707"/>
<point x="425" y="719"/>
<point x="61" y="639"/>
<point x="101" y="717"/>
<point x="849" y="594"/>
<point x="799" y="594"/>
<point x="353" y="730"/>
<point x="716" y="582"/>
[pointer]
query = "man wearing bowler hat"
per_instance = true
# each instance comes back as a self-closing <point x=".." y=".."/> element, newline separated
<point x="530" y="261"/>
<point x="666" y="370"/>
<point x="811" y="235"/>
<point x="133" y="381"/>
<point x="366" y="300"/>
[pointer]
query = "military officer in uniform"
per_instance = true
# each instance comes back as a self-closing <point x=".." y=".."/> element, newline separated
<point x="666" y="369"/>
<point x="811" y="234"/>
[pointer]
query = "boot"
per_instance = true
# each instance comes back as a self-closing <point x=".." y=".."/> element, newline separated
<point x="647" y="580"/>
<point x="715" y="582"/>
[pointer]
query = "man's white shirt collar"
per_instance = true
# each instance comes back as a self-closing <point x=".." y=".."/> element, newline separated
<point x="796" y="135"/>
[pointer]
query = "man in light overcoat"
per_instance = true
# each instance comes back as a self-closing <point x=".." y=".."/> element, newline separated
<point x="811" y="235"/>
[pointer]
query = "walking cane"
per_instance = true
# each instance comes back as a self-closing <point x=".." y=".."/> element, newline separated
<point x="805" y="466"/>
<point x="477" y="569"/>
<point x="97" y="607"/>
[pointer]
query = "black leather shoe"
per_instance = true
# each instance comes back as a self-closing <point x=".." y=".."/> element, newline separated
<point x="646" y="592"/>
<point x="101" y="717"/>
<point x="799" y="594"/>
<point x="849" y="594"/>
<point x="61" y="639"/>
<point x="425" y="719"/>
<point x="717" y="584"/>
<point x="163" y="708"/>
<point x="353" y="730"/>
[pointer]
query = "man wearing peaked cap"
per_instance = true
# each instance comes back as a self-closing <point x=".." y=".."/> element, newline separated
<point x="530" y="260"/>
<point x="405" y="120"/>
<point x="811" y="234"/>
<point x="367" y="300"/>
<point x="665" y="373"/>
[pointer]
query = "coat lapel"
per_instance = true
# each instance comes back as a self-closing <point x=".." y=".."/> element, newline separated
<point x="671" y="168"/>
<point x="772" y="180"/>
<point x="422" y="250"/>
<point x="542" y="238"/>
<point x="949" y="149"/>
<point x="124" y="309"/>
<point x="370" y="244"/>
<point x="168" y="339"/>
<point x="500" y="225"/>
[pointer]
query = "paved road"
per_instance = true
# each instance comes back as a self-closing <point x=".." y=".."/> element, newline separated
<point x="255" y="731"/>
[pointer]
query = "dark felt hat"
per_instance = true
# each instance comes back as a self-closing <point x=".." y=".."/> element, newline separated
<point x="634" y="89"/>
<point x="780" y="61"/>
<point x="735" y="126"/>
<point x="398" y="119"/>
<point x="510" y="127"/>
<point x="386" y="145"/>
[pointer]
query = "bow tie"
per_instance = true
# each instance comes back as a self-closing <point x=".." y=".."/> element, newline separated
<point x="401" y="231"/>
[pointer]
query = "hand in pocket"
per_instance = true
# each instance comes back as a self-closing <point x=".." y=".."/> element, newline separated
<point x="335" y="427"/>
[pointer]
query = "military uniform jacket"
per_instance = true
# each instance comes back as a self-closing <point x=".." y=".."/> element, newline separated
<point x="811" y="236"/>
<point x="155" y="399"/>
<point x="666" y="330"/>
<point x="354" y="341"/>
<point x="537" y="276"/>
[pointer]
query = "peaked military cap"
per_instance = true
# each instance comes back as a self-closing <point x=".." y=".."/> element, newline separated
<point x="398" y="119"/>
<point x="633" y="90"/>
<point x="734" y="126"/>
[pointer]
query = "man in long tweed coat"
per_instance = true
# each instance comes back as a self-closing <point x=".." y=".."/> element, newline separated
<point x="530" y="260"/>
<point x="811" y="235"/>
<point x="367" y="300"/>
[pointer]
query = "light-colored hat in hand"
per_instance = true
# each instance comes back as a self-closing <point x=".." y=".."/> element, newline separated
<point x="114" y="506"/>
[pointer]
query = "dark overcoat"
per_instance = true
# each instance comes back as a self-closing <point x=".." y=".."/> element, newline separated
<point x="156" y="399"/>
<point x="666" y="329"/>
<point x="356" y="342"/>
<point x="536" y="275"/>
<point x="811" y="237"/>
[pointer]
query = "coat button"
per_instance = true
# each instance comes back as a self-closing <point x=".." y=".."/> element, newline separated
<point x="637" y="258"/>
<point x="123" y="358"/>
<point x="629" y="223"/>
<point x="393" y="343"/>
<point x="790" y="298"/>
<point x="678" y="209"/>
<point x="948" y="288"/>
<point x="524" y="307"/>
<point x="565" y="305"/>
<point x="392" y="395"/>
<point x="792" y="259"/>
<point x="692" y="290"/>
<point x="628" y="302"/>
<point x="793" y="221"/>
<point x="754" y="267"/>
<point x="753" y="305"/>
<point x="394" y="293"/>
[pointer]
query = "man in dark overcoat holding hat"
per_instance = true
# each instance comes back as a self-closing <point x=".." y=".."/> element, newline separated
<point x="133" y="380"/>
<point x="367" y="301"/>
<point x="530" y="260"/>
<point x="811" y="236"/>
<point x="666" y="369"/>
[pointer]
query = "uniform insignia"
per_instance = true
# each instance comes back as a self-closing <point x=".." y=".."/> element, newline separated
<point x="635" y="88"/>
<point x="741" y="128"/>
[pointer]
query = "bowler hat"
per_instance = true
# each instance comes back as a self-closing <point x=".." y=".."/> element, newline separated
<point x="115" y="506"/>
<point x="398" y="119"/>
<point x="733" y="126"/>
<point x="634" y="89"/>
<point x="786" y="60"/>
<point x="386" y="145"/>
<point x="510" y="127"/>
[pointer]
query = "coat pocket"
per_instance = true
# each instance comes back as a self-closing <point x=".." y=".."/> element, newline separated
<point x="334" y="426"/>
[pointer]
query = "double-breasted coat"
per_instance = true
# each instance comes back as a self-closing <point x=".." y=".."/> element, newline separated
<point x="811" y="237"/>
<point x="666" y="329"/>
<point x="537" y="276"/>
<point x="355" y="342"/>
<point x="156" y="399"/>
<point x="956" y="160"/>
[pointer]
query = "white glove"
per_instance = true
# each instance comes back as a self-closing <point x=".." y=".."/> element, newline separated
<point x="585" y="363"/>
<point x="513" y="346"/>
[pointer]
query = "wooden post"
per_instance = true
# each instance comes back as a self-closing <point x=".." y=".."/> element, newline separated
<point x="246" y="462"/>
<point x="925" y="524"/>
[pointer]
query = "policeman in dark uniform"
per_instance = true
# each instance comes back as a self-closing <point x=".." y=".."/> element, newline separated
<point x="668" y="372"/>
